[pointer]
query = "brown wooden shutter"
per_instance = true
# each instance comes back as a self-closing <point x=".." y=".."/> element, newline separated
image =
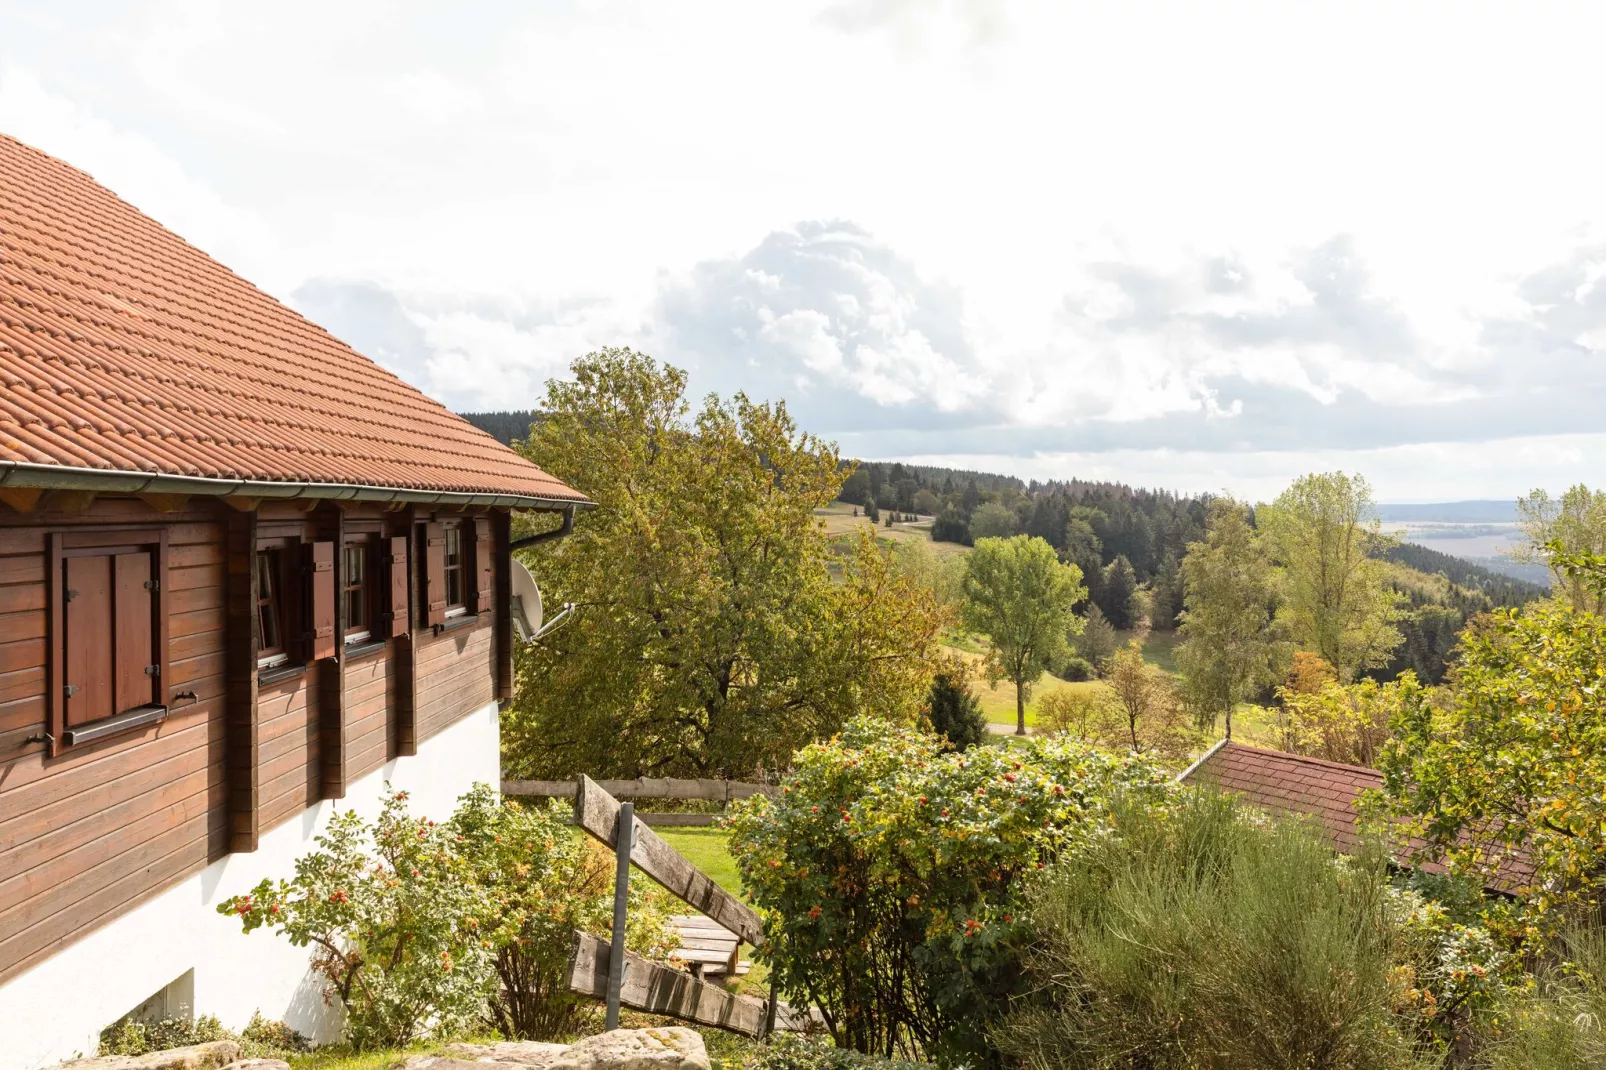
<point x="484" y="565"/>
<point x="137" y="668"/>
<point x="398" y="585"/>
<point x="435" y="574"/>
<point x="323" y="600"/>
<point x="88" y="630"/>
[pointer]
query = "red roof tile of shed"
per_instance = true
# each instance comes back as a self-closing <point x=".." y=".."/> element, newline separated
<point x="124" y="348"/>
<point x="1294" y="783"/>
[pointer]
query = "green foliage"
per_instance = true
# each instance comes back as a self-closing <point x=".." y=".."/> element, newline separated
<point x="387" y="908"/>
<point x="1228" y="652"/>
<point x="1019" y="595"/>
<point x="955" y="712"/>
<point x="1336" y="599"/>
<point x="1559" y="1023"/>
<point x="1097" y="641"/>
<point x="1347" y="723"/>
<point x="1209" y="939"/>
<point x="1516" y="757"/>
<point x="711" y="638"/>
<point x="793" y="1051"/>
<point x="993" y="521"/>
<point x="130" y="1037"/>
<point x="950" y="527"/>
<point x="1573" y="524"/>
<point x="1166" y="595"/>
<point x="892" y="873"/>
<point x="1149" y="705"/>
<point x="539" y="882"/>
<point x="1117" y="593"/>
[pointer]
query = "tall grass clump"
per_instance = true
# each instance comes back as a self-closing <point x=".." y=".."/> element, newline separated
<point x="1211" y="939"/>
<point x="1559" y="1023"/>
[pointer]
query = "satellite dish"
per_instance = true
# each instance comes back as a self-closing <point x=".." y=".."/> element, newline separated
<point x="527" y="611"/>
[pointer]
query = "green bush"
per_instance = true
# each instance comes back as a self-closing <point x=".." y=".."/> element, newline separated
<point x="893" y="874"/>
<point x="788" y="1051"/>
<point x="260" y="1038"/>
<point x="1207" y="938"/>
<point x="540" y="882"/>
<point x="1558" y="1023"/>
<point x="392" y="909"/>
<point x="1076" y="669"/>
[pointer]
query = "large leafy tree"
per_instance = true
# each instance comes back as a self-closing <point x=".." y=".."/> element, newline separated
<point x="711" y="638"/>
<point x="1336" y="599"/>
<point x="1516" y="759"/>
<point x="1228" y="651"/>
<point x="1556" y="527"/>
<point x="1019" y="595"/>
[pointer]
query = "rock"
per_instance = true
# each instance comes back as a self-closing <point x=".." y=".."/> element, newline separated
<point x="674" y="1048"/>
<point x="258" y="1064"/>
<point x="519" y="1052"/>
<point x="213" y="1055"/>
<point x="440" y="1062"/>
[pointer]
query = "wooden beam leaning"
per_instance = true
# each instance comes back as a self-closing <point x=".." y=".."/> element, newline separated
<point x="660" y="990"/>
<point x="597" y="813"/>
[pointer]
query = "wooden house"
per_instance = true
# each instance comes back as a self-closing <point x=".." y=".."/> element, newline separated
<point x="247" y="576"/>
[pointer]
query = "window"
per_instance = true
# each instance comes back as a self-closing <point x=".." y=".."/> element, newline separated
<point x="271" y="623"/>
<point x="109" y="633"/>
<point x="455" y="571"/>
<point x="357" y="594"/>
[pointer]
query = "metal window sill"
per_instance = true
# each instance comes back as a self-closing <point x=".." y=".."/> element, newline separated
<point x="138" y="717"/>
<point x="367" y="648"/>
<point x="279" y="672"/>
<point x="454" y="623"/>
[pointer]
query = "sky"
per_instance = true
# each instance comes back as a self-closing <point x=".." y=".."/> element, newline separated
<point x="1200" y="245"/>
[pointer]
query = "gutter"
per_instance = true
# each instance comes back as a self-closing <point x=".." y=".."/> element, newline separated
<point x="549" y="536"/>
<point x="118" y="481"/>
<point x="1183" y="776"/>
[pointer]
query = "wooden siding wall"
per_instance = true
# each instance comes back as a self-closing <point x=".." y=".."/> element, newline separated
<point x="456" y="674"/>
<point x="86" y="836"/>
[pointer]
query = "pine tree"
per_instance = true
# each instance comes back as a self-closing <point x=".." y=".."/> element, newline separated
<point x="1116" y="591"/>
<point x="955" y="712"/>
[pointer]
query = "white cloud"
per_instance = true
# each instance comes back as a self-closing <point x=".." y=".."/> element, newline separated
<point x="1110" y="233"/>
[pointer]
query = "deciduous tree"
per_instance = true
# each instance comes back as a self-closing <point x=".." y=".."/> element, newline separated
<point x="1336" y="599"/>
<point x="1572" y="524"/>
<point x="1228" y="651"/>
<point x="710" y="637"/>
<point x="1019" y="595"/>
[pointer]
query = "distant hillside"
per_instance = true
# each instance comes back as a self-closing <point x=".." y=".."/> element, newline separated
<point x="503" y="426"/>
<point x="1500" y="589"/>
<point x="1474" y="512"/>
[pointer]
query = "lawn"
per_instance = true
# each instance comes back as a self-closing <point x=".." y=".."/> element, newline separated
<point x="838" y="523"/>
<point x="998" y="700"/>
<point x="708" y="850"/>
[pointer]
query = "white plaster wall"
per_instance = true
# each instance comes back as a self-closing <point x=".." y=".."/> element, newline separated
<point x="57" y="1009"/>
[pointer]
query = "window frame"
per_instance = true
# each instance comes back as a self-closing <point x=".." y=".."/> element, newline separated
<point x="290" y="656"/>
<point x="367" y="586"/>
<point x="103" y="541"/>
<point x="464" y="569"/>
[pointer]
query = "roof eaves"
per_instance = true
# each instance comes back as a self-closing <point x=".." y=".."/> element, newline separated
<point x="114" y="481"/>
<point x="1182" y="777"/>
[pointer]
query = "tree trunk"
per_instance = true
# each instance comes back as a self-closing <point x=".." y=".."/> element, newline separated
<point x="1020" y="711"/>
<point x="1229" y="720"/>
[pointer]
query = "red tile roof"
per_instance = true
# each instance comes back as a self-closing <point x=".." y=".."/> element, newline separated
<point x="123" y="348"/>
<point x="1294" y="783"/>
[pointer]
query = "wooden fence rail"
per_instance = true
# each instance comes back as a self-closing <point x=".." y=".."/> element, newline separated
<point x="723" y="791"/>
<point x="646" y="985"/>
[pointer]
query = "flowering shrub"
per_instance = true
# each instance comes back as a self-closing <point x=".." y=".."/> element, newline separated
<point x="540" y="882"/>
<point x="1447" y="970"/>
<point x="892" y="873"/>
<point x="392" y="912"/>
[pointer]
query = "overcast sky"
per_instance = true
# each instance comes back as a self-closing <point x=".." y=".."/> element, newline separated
<point x="1193" y="245"/>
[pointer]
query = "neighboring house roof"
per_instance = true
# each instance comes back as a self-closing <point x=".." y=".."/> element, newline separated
<point x="1327" y="791"/>
<point x="123" y="349"/>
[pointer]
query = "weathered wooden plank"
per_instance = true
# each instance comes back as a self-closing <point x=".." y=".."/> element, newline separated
<point x="597" y="812"/>
<point x="660" y="990"/>
<point x="655" y="788"/>
<point x="679" y="820"/>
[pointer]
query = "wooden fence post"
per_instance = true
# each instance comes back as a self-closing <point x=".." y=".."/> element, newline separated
<point x="624" y="839"/>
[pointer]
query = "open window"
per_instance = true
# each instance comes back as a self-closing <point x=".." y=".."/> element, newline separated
<point x="108" y="659"/>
